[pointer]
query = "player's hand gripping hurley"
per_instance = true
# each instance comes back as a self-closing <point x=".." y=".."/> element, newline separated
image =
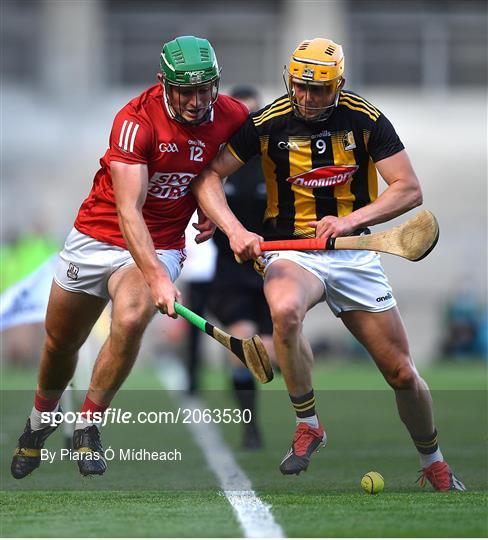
<point x="251" y="352"/>
<point x="412" y="240"/>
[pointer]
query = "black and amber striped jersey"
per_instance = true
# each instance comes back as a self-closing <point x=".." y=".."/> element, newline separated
<point x="315" y="169"/>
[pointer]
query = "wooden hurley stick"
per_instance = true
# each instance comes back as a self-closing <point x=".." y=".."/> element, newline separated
<point x="251" y="352"/>
<point x="412" y="240"/>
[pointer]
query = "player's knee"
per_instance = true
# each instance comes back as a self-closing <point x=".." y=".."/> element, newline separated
<point x="133" y="320"/>
<point x="404" y="377"/>
<point x="287" y="318"/>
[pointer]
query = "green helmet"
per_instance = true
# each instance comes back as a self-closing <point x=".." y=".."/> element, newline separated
<point x="188" y="61"/>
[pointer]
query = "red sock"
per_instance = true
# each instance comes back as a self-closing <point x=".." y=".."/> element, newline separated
<point x="44" y="405"/>
<point x="91" y="406"/>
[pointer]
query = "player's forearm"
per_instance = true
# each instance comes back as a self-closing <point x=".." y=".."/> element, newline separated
<point x="398" y="198"/>
<point x="209" y="193"/>
<point x="140" y="244"/>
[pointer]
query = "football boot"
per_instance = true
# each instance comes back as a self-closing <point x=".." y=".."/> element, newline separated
<point x="305" y="441"/>
<point x="88" y="446"/>
<point x="27" y="455"/>
<point x="440" y="475"/>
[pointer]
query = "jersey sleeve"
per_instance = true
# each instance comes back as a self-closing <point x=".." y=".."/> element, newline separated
<point x="131" y="137"/>
<point x="383" y="141"/>
<point x="244" y="144"/>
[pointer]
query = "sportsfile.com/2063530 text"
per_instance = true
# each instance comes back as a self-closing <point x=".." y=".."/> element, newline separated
<point x="115" y="415"/>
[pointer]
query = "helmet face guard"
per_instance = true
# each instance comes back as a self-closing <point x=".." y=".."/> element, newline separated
<point x="190" y="75"/>
<point x="201" y="97"/>
<point x="313" y="79"/>
<point x="312" y="101"/>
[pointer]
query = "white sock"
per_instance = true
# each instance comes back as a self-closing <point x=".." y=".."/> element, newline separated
<point x="84" y="423"/>
<point x="36" y="418"/>
<point x="427" y="459"/>
<point x="310" y="420"/>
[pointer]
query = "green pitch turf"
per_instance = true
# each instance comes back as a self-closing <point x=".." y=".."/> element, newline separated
<point x="185" y="500"/>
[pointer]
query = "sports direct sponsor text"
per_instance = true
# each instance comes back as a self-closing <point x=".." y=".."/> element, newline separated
<point x="172" y="185"/>
<point x="181" y="415"/>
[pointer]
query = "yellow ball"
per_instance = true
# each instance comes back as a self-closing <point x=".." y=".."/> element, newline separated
<point x="372" y="483"/>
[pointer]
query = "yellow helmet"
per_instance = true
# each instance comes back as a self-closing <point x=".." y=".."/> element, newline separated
<point x="316" y="62"/>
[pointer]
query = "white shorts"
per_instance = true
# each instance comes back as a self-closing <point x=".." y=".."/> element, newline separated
<point x="85" y="264"/>
<point x="353" y="280"/>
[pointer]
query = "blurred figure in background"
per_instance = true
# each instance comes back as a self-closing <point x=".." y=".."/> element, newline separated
<point x="198" y="274"/>
<point x="236" y="296"/>
<point x="23" y="298"/>
<point x="464" y="323"/>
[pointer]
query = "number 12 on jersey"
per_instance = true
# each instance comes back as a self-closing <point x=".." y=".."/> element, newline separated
<point x="196" y="153"/>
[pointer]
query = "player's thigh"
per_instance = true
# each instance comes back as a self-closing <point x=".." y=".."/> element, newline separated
<point x="291" y="289"/>
<point x="70" y="316"/>
<point x="132" y="303"/>
<point x="382" y="334"/>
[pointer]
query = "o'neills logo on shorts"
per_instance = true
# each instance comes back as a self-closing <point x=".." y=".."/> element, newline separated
<point x="330" y="175"/>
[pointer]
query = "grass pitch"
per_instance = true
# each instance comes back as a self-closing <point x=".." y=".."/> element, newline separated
<point x="154" y="499"/>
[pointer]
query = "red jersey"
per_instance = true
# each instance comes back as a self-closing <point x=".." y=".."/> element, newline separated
<point x="143" y="132"/>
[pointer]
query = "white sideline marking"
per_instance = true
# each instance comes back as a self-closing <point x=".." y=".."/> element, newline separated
<point x="254" y="516"/>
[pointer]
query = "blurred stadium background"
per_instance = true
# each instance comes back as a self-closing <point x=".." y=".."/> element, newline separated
<point x="68" y="66"/>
